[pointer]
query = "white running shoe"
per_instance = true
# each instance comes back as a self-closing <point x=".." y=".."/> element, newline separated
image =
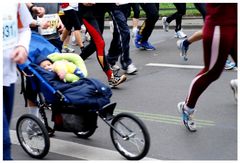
<point x="131" y="69"/>
<point x="115" y="67"/>
<point x="180" y="34"/>
<point x="83" y="28"/>
<point x="87" y="37"/>
<point x="165" y="24"/>
<point x="234" y="86"/>
<point x="67" y="50"/>
<point x="183" y="49"/>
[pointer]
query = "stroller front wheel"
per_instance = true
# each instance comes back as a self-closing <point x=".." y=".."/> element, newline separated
<point x="130" y="136"/>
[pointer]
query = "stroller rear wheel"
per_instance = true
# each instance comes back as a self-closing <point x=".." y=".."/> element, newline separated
<point x="130" y="136"/>
<point x="33" y="136"/>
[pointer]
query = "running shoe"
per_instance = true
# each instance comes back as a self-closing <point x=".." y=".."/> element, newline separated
<point x="229" y="65"/>
<point x="131" y="69"/>
<point x="179" y="34"/>
<point x="145" y="45"/>
<point x="87" y="37"/>
<point x="183" y="49"/>
<point x="67" y="50"/>
<point x="137" y="41"/>
<point x="116" y="80"/>
<point x="115" y="68"/>
<point x="165" y="24"/>
<point x="234" y="86"/>
<point x="187" y="117"/>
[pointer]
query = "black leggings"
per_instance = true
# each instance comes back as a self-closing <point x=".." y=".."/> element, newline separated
<point x="136" y="10"/>
<point x="201" y="7"/>
<point x="94" y="25"/>
<point x="72" y="20"/>
<point x="181" y="10"/>
<point x="152" y="15"/>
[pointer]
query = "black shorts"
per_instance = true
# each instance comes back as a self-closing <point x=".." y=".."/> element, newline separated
<point x="31" y="89"/>
<point x="72" y="19"/>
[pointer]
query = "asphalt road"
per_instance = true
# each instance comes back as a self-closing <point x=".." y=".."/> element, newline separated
<point x="152" y="94"/>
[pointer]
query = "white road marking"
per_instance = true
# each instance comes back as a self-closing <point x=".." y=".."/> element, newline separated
<point x="174" y="65"/>
<point x="80" y="151"/>
<point x="180" y="66"/>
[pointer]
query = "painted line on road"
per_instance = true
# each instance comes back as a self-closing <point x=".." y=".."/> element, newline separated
<point x="180" y="66"/>
<point x="76" y="150"/>
<point x="174" y="65"/>
<point x="168" y="119"/>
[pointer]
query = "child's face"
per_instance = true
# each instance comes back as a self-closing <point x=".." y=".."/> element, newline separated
<point x="47" y="65"/>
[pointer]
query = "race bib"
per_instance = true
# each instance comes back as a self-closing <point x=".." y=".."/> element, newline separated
<point x="52" y="19"/>
<point x="10" y="30"/>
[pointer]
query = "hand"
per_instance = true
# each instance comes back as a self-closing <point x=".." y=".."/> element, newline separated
<point x="45" y="24"/>
<point x="61" y="74"/>
<point x="39" y="11"/>
<point x="19" y="55"/>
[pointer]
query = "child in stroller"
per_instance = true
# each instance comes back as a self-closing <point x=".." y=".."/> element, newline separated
<point x="69" y="66"/>
<point x="75" y="108"/>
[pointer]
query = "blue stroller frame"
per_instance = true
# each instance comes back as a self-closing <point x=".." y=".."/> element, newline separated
<point x="128" y="133"/>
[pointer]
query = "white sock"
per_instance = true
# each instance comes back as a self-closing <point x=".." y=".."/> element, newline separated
<point x="188" y="109"/>
<point x="33" y="110"/>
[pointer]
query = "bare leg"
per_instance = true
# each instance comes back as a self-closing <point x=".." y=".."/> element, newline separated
<point x="78" y="38"/>
<point x="195" y="37"/>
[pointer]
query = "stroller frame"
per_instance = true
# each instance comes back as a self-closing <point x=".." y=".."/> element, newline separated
<point x="128" y="133"/>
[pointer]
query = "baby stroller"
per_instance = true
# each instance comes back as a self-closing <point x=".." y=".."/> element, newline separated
<point x="128" y="133"/>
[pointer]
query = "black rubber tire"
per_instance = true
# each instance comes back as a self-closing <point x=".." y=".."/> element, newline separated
<point x="146" y="138"/>
<point x="86" y="134"/>
<point x="44" y="134"/>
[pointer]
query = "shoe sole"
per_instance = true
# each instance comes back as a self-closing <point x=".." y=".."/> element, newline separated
<point x="148" y="49"/>
<point x="229" y="67"/>
<point x="131" y="73"/>
<point x="180" y="37"/>
<point x="143" y="48"/>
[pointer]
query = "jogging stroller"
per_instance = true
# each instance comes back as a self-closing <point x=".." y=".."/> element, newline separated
<point x="77" y="114"/>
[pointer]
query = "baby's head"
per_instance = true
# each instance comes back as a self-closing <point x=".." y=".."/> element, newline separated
<point x="44" y="62"/>
<point x="47" y="65"/>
